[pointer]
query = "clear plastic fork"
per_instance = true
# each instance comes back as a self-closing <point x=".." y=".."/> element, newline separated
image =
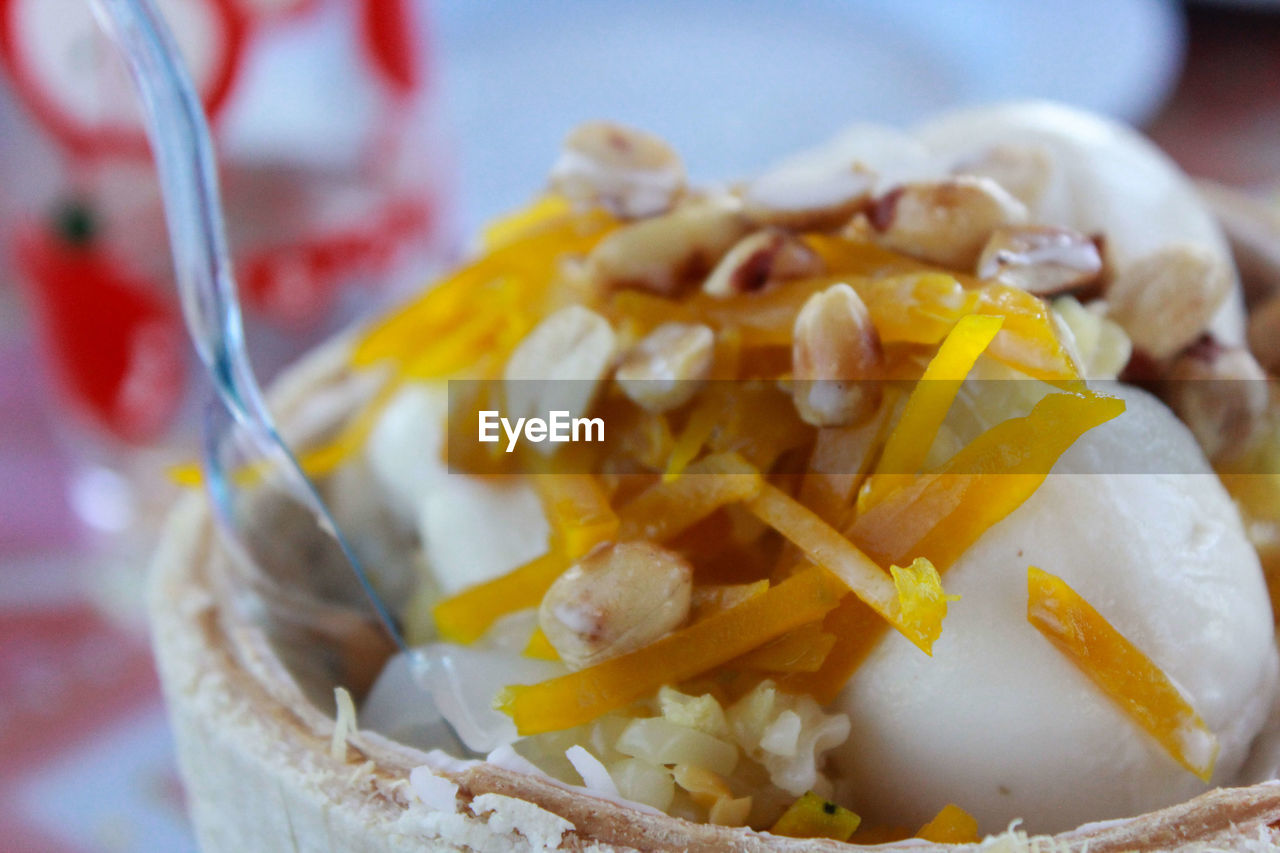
<point x="311" y="584"/>
<point x="183" y="152"/>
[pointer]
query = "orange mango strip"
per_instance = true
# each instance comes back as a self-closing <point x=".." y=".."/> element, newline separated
<point x="1121" y="669"/>
<point x="917" y="616"/>
<point x="463" y="618"/>
<point x="801" y="650"/>
<point x="952" y="825"/>
<point x="940" y="514"/>
<point x="927" y="407"/>
<point x="578" y="511"/>
<point x="582" y="696"/>
<point x="664" y="510"/>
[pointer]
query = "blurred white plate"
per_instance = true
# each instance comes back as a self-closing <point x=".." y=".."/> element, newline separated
<point x="734" y="84"/>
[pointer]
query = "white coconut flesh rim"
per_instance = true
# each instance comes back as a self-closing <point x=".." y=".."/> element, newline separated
<point x="257" y="756"/>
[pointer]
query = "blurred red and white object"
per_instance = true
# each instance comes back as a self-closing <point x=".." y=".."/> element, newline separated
<point x="333" y="176"/>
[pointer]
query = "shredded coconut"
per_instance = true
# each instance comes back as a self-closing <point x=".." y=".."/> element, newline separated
<point x="542" y="829"/>
<point x="787" y="734"/>
<point x="435" y="792"/>
<point x="344" y="724"/>
<point x="362" y="772"/>
<point x="593" y="773"/>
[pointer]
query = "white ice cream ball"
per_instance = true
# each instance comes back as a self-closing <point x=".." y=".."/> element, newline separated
<point x="894" y="155"/>
<point x="404" y="451"/>
<point x="474" y="529"/>
<point x="1104" y="177"/>
<point x="999" y="720"/>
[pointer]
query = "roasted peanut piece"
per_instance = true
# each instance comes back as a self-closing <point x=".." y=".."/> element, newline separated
<point x="616" y="599"/>
<point x="1023" y="170"/>
<point x="1040" y="259"/>
<point x="1165" y="300"/>
<point x="1220" y="393"/>
<point x="667" y="366"/>
<point x="669" y="252"/>
<point x="835" y="350"/>
<point x="759" y="259"/>
<point x="947" y="222"/>
<point x="807" y="199"/>
<point x="1264" y="334"/>
<point x="559" y="366"/>
<point x="631" y="173"/>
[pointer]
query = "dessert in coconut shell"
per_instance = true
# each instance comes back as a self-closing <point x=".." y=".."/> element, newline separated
<point x="924" y="518"/>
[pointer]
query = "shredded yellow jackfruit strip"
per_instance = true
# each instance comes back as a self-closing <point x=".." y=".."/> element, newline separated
<point x="917" y="615"/>
<point x="1121" y="670"/>
<point x="1029" y="340"/>
<point x="462" y="346"/>
<point x="697" y="430"/>
<point x="521" y="222"/>
<point x="952" y="825"/>
<point x="940" y="514"/>
<point x="840" y="462"/>
<point x="801" y="650"/>
<point x="811" y="816"/>
<point x="581" y="696"/>
<point x="853" y="257"/>
<point x="463" y="618"/>
<point x="918" y="308"/>
<point x="664" y="510"/>
<point x="922" y="604"/>
<point x="857" y="629"/>
<point x="533" y="259"/>
<point x="710" y="599"/>
<point x="927" y="407"/>
<point x="578" y="511"/>
<point x="539" y="647"/>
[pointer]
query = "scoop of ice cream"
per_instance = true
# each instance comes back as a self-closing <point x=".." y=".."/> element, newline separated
<point x="472" y="528"/>
<point x="1098" y="177"/>
<point x="1069" y="167"/>
<point x="1000" y="721"/>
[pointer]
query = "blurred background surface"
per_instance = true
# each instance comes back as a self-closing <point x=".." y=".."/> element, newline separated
<point x="361" y="141"/>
